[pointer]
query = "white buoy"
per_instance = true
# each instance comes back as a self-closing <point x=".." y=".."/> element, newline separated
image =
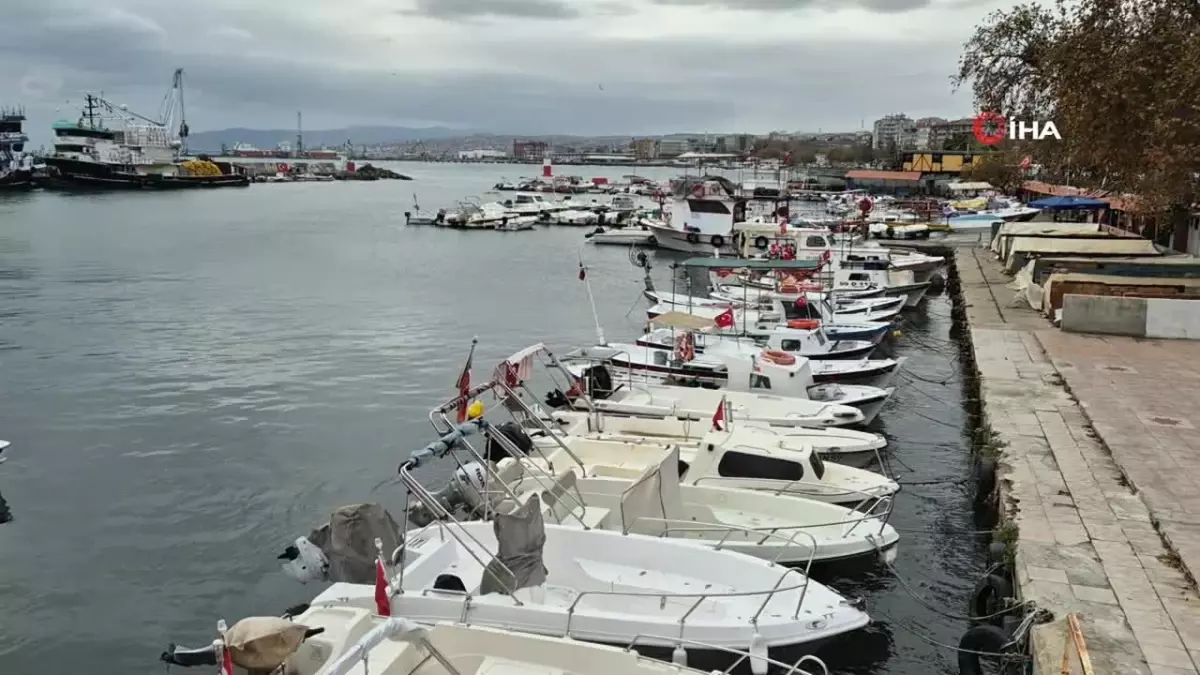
<point x="679" y="656"/>
<point x="758" y="655"/>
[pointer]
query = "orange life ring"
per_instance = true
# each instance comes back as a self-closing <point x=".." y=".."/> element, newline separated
<point x="804" y="324"/>
<point x="781" y="358"/>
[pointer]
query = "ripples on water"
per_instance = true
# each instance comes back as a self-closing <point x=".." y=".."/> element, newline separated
<point x="192" y="380"/>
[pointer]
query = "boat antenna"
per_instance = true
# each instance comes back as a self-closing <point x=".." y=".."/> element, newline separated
<point x="587" y="284"/>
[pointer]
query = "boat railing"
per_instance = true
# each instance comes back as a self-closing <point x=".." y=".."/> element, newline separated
<point x="761" y="534"/>
<point x="514" y="403"/>
<point x="778" y="588"/>
<point x="869" y="514"/>
<point x="779" y="487"/>
<point x="446" y="524"/>
<point x="780" y="666"/>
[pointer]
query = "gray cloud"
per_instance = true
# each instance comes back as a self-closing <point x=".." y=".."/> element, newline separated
<point x="252" y="68"/>
<point x="521" y="9"/>
<point x="880" y="6"/>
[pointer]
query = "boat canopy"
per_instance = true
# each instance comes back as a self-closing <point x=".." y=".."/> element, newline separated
<point x="749" y="264"/>
<point x="683" y="321"/>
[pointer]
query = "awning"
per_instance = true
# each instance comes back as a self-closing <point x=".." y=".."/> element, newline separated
<point x="683" y="321"/>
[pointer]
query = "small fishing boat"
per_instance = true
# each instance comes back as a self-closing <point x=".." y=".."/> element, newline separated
<point x="773" y="526"/>
<point x="518" y="571"/>
<point x="333" y="640"/>
<point x="778" y="374"/>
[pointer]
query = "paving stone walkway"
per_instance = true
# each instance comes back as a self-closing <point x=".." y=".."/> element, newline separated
<point x="1087" y="542"/>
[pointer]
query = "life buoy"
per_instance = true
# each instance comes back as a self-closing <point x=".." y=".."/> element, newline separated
<point x="717" y="241"/>
<point x="761" y="243"/>
<point x="693" y="238"/>
<point x="804" y="324"/>
<point x="780" y="358"/>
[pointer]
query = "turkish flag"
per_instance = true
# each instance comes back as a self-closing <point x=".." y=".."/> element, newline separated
<point x="383" y="600"/>
<point x="719" y="416"/>
<point x="725" y="319"/>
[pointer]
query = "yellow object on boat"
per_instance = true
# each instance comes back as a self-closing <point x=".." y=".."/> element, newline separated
<point x="475" y="410"/>
<point x="197" y="167"/>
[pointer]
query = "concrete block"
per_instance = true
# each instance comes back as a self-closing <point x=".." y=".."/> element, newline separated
<point x="1105" y="315"/>
<point x="1169" y="318"/>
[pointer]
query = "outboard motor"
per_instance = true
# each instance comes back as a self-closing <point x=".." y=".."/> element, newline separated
<point x="187" y="658"/>
<point x="463" y="492"/>
<point x="305" y="561"/>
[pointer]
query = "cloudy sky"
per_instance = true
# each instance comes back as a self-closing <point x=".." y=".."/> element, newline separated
<point x="509" y="66"/>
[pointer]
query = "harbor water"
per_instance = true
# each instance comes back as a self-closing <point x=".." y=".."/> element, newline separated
<point x="192" y="380"/>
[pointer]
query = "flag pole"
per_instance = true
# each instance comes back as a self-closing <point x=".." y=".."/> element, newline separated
<point x="587" y="284"/>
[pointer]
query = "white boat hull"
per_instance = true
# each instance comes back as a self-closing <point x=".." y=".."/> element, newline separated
<point x="600" y="589"/>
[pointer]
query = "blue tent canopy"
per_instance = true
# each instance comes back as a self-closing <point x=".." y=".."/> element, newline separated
<point x="1069" y="203"/>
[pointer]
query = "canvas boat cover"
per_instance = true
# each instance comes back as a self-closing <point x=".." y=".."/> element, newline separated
<point x="520" y="537"/>
<point x="348" y="541"/>
<point x="263" y="643"/>
<point x="653" y="499"/>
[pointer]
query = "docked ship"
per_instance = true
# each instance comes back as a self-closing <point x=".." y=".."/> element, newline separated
<point x="110" y="147"/>
<point x="16" y="166"/>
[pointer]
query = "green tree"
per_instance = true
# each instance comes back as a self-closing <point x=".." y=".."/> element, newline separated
<point x="1119" y="78"/>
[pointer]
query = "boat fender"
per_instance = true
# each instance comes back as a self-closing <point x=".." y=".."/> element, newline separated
<point x="989" y="597"/>
<point x="718" y="241"/>
<point x="985" y="480"/>
<point x="679" y="656"/>
<point x="761" y="243"/>
<point x="305" y="561"/>
<point x="693" y="238"/>
<point x="758" y="655"/>
<point x="997" y="553"/>
<point x="990" y="639"/>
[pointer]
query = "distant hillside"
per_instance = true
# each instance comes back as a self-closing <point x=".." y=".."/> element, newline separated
<point x="269" y="138"/>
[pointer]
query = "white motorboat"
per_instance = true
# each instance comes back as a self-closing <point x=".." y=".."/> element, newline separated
<point x="762" y="524"/>
<point x="779" y="374"/>
<point x="779" y="313"/>
<point x="708" y="369"/>
<point x="803" y="338"/>
<point x="336" y="640"/>
<point x="659" y="400"/>
<point x="517" y="572"/>
<point x="633" y="235"/>
<point x="743" y="456"/>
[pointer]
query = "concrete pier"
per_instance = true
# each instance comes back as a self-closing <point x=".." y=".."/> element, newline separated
<point x="1099" y="442"/>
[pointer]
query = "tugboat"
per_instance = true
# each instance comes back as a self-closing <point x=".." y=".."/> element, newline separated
<point x="135" y="153"/>
<point x="16" y="167"/>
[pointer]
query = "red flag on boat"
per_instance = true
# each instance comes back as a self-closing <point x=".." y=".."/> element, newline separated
<point x="719" y="416"/>
<point x="226" y="661"/>
<point x="464" y="384"/>
<point x="582" y="272"/>
<point x="724" y="319"/>
<point x="383" y="600"/>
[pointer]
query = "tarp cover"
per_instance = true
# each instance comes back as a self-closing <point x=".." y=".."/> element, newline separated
<point x="263" y="642"/>
<point x="653" y="498"/>
<point x="348" y="541"/>
<point x="520" y="538"/>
